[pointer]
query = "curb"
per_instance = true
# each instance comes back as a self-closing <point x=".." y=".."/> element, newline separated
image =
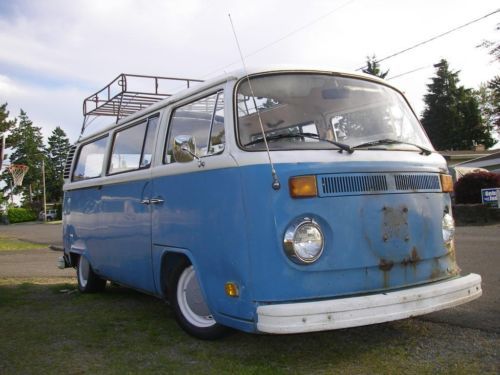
<point x="475" y="214"/>
<point x="56" y="248"/>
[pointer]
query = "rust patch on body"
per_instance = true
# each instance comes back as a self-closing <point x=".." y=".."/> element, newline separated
<point x="385" y="265"/>
<point x="395" y="223"/>
<point x="412" y="259"/>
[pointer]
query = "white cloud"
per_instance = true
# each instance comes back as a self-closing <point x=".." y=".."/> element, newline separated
<point x="46" y="107"/>
<point x="56" y="52"/>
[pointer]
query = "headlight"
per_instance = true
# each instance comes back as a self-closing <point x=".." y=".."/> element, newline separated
<point x="303" y="241"/>
<point x="448" y="228"/>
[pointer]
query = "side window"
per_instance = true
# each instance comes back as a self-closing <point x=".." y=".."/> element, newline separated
<point x="133" y="147"/>
<point x="204" y="121"/>
<point x="149" y="143"/>
<point x="217" y="136"/>
<point x="90" y="158"/>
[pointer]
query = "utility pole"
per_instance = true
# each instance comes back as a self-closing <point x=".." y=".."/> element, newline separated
<point x="44" y="197"/>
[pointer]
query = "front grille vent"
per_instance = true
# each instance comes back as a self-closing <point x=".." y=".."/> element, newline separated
<point x="416" y="182"/>
<point x="354" y="184"/>
<point x="377" y="183"/>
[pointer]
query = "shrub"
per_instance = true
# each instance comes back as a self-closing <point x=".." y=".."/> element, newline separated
<point x="19" y="215"/>
<point x="468" y="188"/>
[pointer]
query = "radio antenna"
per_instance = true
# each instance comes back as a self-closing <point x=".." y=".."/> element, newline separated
<point x="276" y="183"/>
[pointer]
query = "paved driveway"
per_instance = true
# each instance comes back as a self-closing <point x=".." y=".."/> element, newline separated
<point x="37" y="232"/>
<point x="33" y="263"/>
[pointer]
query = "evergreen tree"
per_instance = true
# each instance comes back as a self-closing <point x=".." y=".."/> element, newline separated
<point x="373" y="67"/>
<point x="5" y="126"/>
<point x="27" y="142"/>
<point x="474" y="130"/>
<point x="5" y="123"/>
<point x="451" y="116"/>
<point x="57" y="151"/>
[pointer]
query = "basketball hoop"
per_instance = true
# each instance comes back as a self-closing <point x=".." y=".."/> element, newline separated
<point x="18" y="171"/>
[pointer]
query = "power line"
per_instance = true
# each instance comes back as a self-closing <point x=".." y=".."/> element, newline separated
<point x="276" y="41"/>
<point x="410" y="71"/>
<point x="434" y="38"/>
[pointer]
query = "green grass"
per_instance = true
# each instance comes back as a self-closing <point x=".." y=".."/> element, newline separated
<point x="11" y="244"/>
<point x="52" y="222"/>
<point x="46" y="326"/>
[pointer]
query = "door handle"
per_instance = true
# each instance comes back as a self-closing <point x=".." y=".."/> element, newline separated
<point x="146" y="201"/>
<point x="156" y="201"/>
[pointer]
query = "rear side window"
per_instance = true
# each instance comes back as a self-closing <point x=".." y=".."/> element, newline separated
<point x="90" y="159"/>
<point x="133" y="147"/>
<point x="204" y="121"/>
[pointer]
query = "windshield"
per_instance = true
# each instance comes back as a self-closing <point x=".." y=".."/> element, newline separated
<point x="315" y="111"/>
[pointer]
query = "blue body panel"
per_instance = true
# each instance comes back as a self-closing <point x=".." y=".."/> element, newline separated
<point x="81" y="220"/>
<point x="230" y="223"/>
<point x="203" y="217"/>
<point x="112" y="229"/>
<point x="123" y="251"/>
<point x="356" y="258"/>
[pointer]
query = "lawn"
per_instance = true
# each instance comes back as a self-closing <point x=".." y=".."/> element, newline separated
<point x="46" y="326"/>
<point x="12" y="244"/>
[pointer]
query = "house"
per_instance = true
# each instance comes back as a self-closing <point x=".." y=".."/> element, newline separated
<point x="490" y="162"/>
<point x="489" y="159"/>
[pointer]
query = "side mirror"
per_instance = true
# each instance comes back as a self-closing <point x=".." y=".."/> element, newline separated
<point x="185" y="150"/>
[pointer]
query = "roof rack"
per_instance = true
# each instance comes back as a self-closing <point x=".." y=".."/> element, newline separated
<point x="129" y="93"/>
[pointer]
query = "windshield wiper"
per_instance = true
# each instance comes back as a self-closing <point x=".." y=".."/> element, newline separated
<point x="342" y="146"/>
<point x="388" y="141"/>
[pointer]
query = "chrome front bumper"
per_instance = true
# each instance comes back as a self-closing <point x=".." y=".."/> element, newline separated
<point x="365" y="310"/>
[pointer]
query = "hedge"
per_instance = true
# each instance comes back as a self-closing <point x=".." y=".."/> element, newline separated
<point x="19" y="215"/>
<point x="468" y="188"/>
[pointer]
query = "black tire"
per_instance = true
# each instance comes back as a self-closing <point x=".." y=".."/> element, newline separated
<point x="88" y="281"/>
<point x="190" y="310"/>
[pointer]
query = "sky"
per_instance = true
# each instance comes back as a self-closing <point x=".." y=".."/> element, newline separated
<point x="54" y="53"/>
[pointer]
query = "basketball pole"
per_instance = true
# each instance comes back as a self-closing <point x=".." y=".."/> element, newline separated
<point x="11" y="193"/>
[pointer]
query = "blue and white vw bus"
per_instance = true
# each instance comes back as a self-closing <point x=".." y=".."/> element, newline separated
<point x="272" y="201"/>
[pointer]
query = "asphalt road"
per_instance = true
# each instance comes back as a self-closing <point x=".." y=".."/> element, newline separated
<point x="478" y="251"/>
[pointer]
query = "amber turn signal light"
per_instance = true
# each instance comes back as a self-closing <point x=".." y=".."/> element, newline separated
<point x="303" y="187"/>
<point x="232" y="289"/>
<point x="446" y="183"/>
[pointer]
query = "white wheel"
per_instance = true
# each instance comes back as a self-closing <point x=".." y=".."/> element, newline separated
<point x="83" y="272"/>
<point x="191" y="302"/>
<point x="88" y="281"/>
<point x="191" y="310"/>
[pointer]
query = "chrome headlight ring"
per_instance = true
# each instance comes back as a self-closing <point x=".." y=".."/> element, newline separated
<point x="304" y="241"/>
